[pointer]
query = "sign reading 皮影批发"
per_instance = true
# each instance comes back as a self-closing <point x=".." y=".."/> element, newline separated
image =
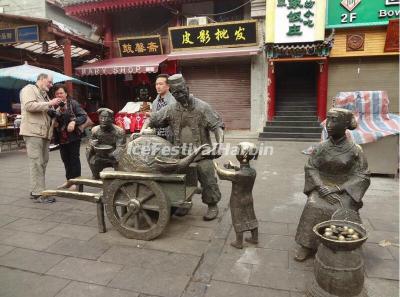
<point x="292" y="21"/>
<point x="140" y="46"/>
<point x="7" y="36"/>
<point x="230" y="34"/>
<point x="357" y="13"/>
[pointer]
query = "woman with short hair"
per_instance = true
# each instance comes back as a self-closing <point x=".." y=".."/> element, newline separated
<point x="70" y="115"/>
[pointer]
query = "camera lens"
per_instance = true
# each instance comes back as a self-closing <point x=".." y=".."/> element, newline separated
<point x="62" y="104"/>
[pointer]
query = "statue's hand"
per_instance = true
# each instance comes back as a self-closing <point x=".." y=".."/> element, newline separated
<point x="326" y="190"/>
<point x="229" y="165"/>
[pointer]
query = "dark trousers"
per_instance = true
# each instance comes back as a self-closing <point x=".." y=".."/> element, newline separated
<point x="70" y="156"/>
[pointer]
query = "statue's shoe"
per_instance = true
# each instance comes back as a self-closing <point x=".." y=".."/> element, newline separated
<point x="302" y="253"/>
<point x="212" y="213"/>
<point x="65" y="185"/>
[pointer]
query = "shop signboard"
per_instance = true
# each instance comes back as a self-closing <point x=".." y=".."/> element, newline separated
<point x="293" y="21"/>
<point x="7" y="36"/>
<point x="28" y="33"/>
<point x="227" y="34"/>
<point x="361" y="13"/>
<point x="140" y="46"/>
<point x="19" y="34"/>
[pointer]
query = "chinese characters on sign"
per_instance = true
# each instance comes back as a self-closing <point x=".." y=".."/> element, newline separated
<point x="140" y="46"/>
<point x="7" y="36"/>
<point x="300" y="14"/>
<point x="230" y="34"/>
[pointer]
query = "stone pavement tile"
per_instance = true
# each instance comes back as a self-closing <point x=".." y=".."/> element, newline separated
<point x="281" y="279"/>
<point x="4" y="220"/>
<point x="178" y="264"/>
<point x="377" y="287"/>
<point x="224" y="289"/>
<point x="292" y="228"/>
<point x="78" y="289"/>
<point x="73" y="231"/>
<point x="175" y="228"/>
<point x="30" y="260"/>
<point x="195" y="289"/>
<point x="377" y="236"/>
<point x="273" y="228"/>
<point x="150" y="281"/>
<point x="281" y="213"/>
<point x="29" y="225"/>
<point x="196" y="221"/>
<point x="372" y="250"/>
<point x="4" y="234"/>
<point x="76" y="218"/>
<point x="93" y="223"/>
<point x="17" y="283"/>
<point x="387" y="269"/>
<point x="78" y="248"/>
<point x="4" y="249"/>
<point x="85" y="270"/>
<point x="307" y="265"/>
<point x="178" y="245"/>
<point x="277" y="242"/>
<point x="209" y="261"/>
<point x="197" y="233"/>
<point x="394" y="250"/>
<point x="113" y="237"/>
<point x="32" y="241"/>
<point x="24" y="212"/>
<point x="297" y="294"/>
<point x="232" y="271"/>
<point x="60" y="205"/>
<point x="385" y="225"/>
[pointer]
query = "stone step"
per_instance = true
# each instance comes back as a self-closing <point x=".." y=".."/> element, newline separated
<point x="296" y="108"/>
<point x="268" y="135"/>
<point x="296" y="113"/>
<point x="295" y="118"/>
<point x="292" y="129"/>
<point x="294" y="123"/>
<point x="290" y="139"/>
<point x="296" y="103"/>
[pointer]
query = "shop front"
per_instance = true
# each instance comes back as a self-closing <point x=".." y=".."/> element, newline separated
<point x="365" y="55"/>
<point x="215" y="59"/>
<point x="297" y="52"/>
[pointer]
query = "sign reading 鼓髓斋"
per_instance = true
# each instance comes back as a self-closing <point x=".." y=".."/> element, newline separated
<point x="140" y="46"/>
<point x="356" y="13"/>
<point x="292" y="21"/>
<point x="230" y="34"/>
<point x="19" y="34"/>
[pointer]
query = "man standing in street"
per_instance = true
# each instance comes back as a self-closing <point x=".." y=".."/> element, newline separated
<point x="191" y="121"/>
<point x="163" y="99"/>
<point x="37" y="129"/>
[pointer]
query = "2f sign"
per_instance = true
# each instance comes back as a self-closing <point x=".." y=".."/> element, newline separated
<point x="348" y="17"/>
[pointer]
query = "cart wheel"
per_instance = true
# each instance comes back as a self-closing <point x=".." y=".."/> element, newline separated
<point x="138" y="209"/>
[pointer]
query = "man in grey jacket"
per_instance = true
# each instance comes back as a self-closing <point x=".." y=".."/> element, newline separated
<point x="37" y="129"/>
<point x="163" y="99"/>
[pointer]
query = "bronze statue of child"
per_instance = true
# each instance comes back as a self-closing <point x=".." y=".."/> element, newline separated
<point x="241" y="201"/>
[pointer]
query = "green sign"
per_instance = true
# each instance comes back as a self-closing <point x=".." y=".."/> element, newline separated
<point x="357" y="13"/>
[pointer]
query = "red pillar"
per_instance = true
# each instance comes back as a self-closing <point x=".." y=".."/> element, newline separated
<point x="111" y="86"/>
<point x="271" y="91"/>
<point x="322" y="89"/>
<point x="67" y="62"/>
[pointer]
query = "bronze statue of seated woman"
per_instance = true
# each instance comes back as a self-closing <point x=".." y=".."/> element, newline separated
<point x="336" y="179"/>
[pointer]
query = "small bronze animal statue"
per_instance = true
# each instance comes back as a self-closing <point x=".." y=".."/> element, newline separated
<point x="241" y="201"/>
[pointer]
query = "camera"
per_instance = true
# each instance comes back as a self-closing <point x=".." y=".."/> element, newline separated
<point x="53" y="112"/>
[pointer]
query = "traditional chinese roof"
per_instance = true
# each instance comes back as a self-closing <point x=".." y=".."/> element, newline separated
<point x="318" y="48"/>
<point x="87" y="7"/>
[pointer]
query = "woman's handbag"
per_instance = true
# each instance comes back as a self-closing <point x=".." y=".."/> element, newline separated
<point x="86" y="124"/>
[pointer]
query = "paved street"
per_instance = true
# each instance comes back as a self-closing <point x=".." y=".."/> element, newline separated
<point x="56" y="250"/>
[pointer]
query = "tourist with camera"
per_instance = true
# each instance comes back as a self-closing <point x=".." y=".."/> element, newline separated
<point x="69" y="115"/>
<point x="37" y="129"/>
